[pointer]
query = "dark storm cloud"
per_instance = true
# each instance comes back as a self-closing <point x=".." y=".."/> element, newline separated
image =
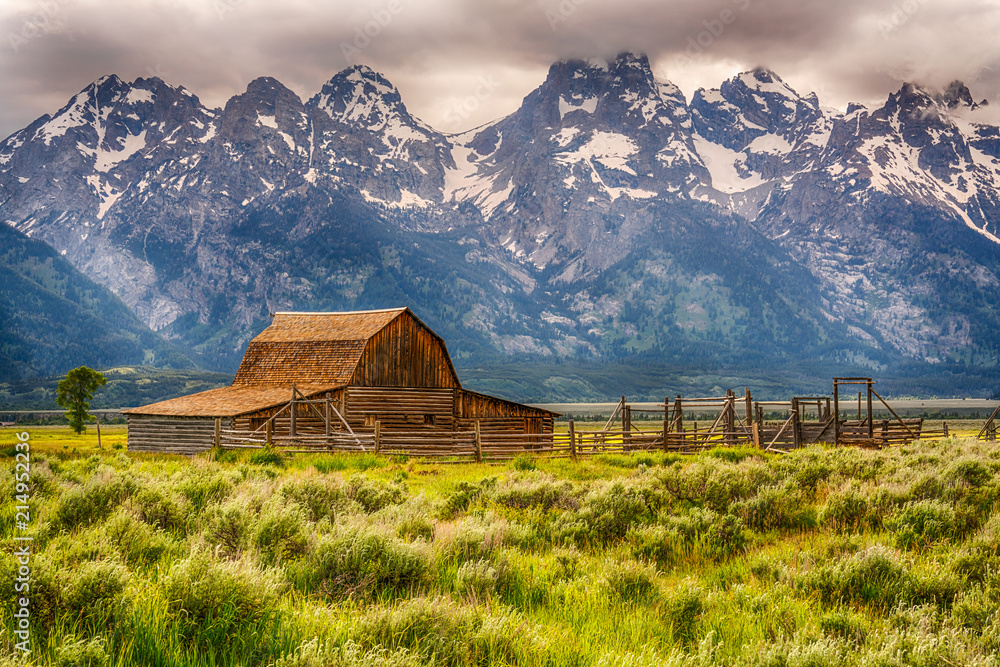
<point x="459" y="63"/>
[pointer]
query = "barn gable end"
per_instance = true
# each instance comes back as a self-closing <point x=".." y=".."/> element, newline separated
<point x="405" y="353"/>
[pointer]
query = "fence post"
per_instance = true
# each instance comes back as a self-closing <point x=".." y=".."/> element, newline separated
<point x="679" y="416"/>
<point x="729" y="421"/>
<point x="99" y="433"/>
<point x="749" y="407"/>
<point x="479" y="444"/>
<point x="572" y="441"/>
<point x="666" y="420"/>
<point x="291" y="411"/>
<point x="269" y="432"/>
<point x="796" y="430"/>
<point x="378" y="437"/>
<point x="627" y="436"/>
<point x="836" y="413"/>
<point x="217" y="436"/>
<point x="946" y="429"/>
<point x="326" y="415"/>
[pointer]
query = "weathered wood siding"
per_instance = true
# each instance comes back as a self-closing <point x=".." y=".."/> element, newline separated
<point x="405" y="354"/>
<point x="509" y="425"/>
<point x="172" y="435"/>
<point x="400" y="408"/>
<point x="496" y="415"/>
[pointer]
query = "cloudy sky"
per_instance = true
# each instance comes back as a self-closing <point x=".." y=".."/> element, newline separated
<point x="460" y="63"/>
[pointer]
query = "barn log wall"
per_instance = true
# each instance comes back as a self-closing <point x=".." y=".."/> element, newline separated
<point x="405" y="354"/>
<point x="400" y="408"/>
<point x="496" y="415"/>
<point x="172" y="435"/>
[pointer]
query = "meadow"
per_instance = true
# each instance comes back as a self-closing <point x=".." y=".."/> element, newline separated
<point x="731" y="557"/>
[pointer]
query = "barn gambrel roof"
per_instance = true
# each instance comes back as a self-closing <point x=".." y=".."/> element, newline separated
<point x="317" y="352"/>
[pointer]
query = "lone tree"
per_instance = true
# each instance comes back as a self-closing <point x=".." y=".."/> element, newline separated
<point x="74" y="392"/>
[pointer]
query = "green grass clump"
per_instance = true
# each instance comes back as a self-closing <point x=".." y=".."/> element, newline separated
<point x="214" y="601"/>
<point x="280" y="533"/>
<point x="315" y="653"/>
<point x="81" y="653"/>
<point x="846" y="511"/>
<point x="922" y="524"/>
<point x="359" y="562"/>
<point x="374" y="494"/>
<point x="92" y="501"/>
<point x="441" y="631"/>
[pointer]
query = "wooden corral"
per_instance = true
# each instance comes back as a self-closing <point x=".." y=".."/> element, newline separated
<point x="335" y="379"/>
<point x="808" y="420"/>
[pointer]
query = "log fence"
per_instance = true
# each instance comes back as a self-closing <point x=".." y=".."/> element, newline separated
<point x="460" y="445"/>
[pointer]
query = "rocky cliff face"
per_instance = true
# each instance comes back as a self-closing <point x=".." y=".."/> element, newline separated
<point x="606" y="218"/>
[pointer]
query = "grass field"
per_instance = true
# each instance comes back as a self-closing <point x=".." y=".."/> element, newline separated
<point x="821" y="557"/>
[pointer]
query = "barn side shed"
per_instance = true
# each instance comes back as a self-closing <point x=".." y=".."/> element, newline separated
<point x="364" y="367"/>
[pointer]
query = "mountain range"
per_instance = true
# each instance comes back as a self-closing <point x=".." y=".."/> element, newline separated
<point x="608" y="219"/>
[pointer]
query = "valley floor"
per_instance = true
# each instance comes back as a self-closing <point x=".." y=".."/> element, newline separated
<point x="821" y="557"/>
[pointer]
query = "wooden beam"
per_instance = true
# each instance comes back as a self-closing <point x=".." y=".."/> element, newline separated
<point x="836" y="412"/>
<point x="614" y="414"/>
<point x="796" y="425"/>
<point x="871" y="417"/>
<point x="479" y="444"/>
<point x="749" y="408"/>
<point x="988" y="423"/>
<point x="326" y="413"/>
<point x="898" y="418"/>
<point x="780" y="431"/>
<point x="572" y="440"/>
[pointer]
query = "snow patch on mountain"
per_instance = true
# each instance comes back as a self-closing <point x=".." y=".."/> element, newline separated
<point x="587" y="105"/>
<point x="727" y="167"/>
<point x="131" y="144"/>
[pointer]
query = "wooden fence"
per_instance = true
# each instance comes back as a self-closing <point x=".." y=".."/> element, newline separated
<point x="475" y="445"/>
<point x="735" y="421"/>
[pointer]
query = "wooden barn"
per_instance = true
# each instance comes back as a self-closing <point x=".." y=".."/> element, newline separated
<point x="334" y="373"/>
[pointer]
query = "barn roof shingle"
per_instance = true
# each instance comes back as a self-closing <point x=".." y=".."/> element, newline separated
<point x="311" y="347"/>
<point x="227" y="401"/>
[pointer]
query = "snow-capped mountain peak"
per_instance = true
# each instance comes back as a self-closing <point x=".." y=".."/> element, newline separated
<point x="361" y="97"/>
<point x="603" y="166"/>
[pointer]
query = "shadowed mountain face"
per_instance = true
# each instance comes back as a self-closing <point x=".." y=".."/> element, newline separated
<point x="55" y="319"/>
<point x="608" y="218"/>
